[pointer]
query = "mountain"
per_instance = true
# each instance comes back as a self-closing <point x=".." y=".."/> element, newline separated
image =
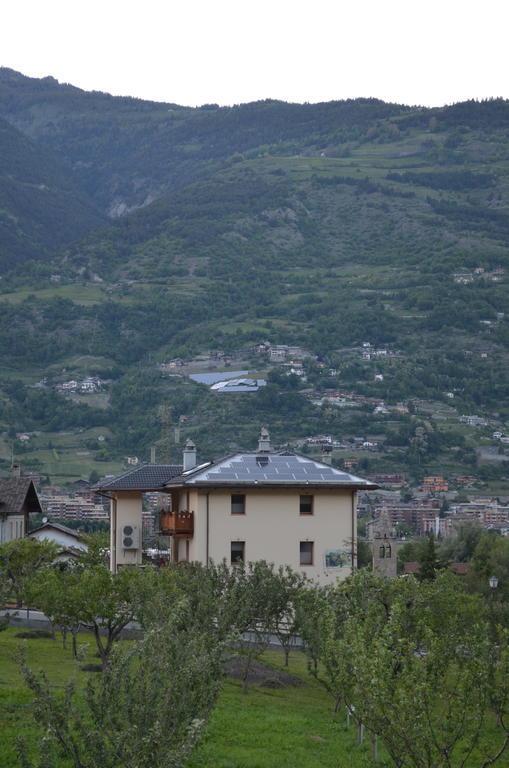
<point x="41" y="207"/>
<point x="374" y="235"/>
<point x="125" y="152"/>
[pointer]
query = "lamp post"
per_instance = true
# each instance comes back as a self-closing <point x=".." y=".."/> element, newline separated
<point x="493" y="582"/>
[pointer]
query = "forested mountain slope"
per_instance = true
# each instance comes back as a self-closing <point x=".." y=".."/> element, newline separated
<point x="326" y="226"/>
<point x="125" y="152"/>
<point x="41" y="206"/>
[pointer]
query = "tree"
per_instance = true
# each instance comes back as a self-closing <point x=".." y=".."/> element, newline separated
<point x="284" y="621"/>
<point x="409" y="657"/>
<point x="461" y="547"/>
<point x="57" y="593"/>
<point x="310" y="607"/>
<point x="207" y="589"/>
<point x="146" y="710"/>
<point x="4" y="594"/>
<point x="428" y="560"/>
<point x="257" y="600"/>
<point x="97" y="549"/>
<point x="20" y="559"/>
<point x="91" y="597"/>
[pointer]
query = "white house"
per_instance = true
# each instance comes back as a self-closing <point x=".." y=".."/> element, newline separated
<point x="69" y="542"/>
<point x="269" y="505"/>
<point x="18" y="499"/>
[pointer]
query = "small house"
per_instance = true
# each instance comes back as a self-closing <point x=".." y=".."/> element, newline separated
<point x="18" y="500"/>
<point x="277" y="506"/>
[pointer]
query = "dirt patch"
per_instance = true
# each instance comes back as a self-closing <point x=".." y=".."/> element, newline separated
<point x="259" y="674"/>
<point x="35" y="634"/>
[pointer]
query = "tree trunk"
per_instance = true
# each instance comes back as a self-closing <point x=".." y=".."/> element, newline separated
<point x="374" y="748"/>
<point x="245" y="682"/>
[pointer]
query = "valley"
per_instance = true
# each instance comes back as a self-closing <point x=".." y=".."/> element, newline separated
<point x="339" y="228"/>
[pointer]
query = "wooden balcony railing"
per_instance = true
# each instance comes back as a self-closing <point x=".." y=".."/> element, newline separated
<point x="176" y="523"/>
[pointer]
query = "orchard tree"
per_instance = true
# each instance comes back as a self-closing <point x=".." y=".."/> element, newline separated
<point x="310" y="608"/>
<point x="104" y="604"/>
<point x="57" y="593"/>
<point x="91" y="597"/>
<point x="284" y="619"/>
<point x="146" y="710"/>
<point x="419" y="670"/>
<point x="255" y="598"/>
<point x="21" y="559"/>
<point x="206" y="588"/>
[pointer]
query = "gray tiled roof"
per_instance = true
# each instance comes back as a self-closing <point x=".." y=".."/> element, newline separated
<point x="147" y="477"/>
<point x="58" y="527"/>
<point x="14" y="492"/>
<point x="283" y="469"/>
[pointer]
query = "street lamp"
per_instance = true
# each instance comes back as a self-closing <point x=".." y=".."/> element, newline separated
<point x="493" y="582"/>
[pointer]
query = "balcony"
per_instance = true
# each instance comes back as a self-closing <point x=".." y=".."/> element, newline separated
<point x="176" y="523"/>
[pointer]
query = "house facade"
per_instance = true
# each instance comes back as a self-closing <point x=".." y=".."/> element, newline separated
<point x="68" y="540"/>
<point x="18" y="499"/>
<point x="268" y="505"/>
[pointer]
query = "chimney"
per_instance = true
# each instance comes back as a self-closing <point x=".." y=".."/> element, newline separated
<point x="15" y="470"/>
<point x="153" y="455"/>
<point x="189" y="455"/>
<point x="264" y="445"/>
<point x="327" y="454"/>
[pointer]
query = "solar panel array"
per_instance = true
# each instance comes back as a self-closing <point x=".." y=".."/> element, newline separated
<point x="273" y="468"/>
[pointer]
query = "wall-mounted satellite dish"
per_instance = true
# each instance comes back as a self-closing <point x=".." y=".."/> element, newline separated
<point x="44" y="519"/>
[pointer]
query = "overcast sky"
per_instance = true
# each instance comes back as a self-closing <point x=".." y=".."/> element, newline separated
<point x="232" y="51"/>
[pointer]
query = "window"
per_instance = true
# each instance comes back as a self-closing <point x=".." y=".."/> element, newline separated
<point x="237" y="552"/>
<point x="306" y="505"/>
<point x="238" y="504"/>
<point x="306" y="553"/>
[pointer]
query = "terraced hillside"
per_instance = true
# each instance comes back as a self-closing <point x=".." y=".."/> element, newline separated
<point x="320" y="226"/>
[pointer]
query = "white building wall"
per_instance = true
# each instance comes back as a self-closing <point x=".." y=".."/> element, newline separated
<point x="12" y="528"/>
<point x="58" y="537"/>
<point x="126" y="509"/>
<point x="272" y="528"/>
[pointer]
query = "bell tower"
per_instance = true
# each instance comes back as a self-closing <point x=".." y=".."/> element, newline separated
<point x="384" y="546"/>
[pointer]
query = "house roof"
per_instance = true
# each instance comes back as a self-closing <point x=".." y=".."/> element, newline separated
<point x="284" y="469"/>
<point x="412" y="567"/>
<point x="460" y="568"/>
<point x="57" y="527"/>
<point x="145" y="477"/>
<point x="14" y="493"/>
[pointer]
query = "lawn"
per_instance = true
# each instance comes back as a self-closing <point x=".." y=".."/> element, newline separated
<point x="289" y="727"/>
<point x="292" y="727"/>
<point x="86" y="294"/>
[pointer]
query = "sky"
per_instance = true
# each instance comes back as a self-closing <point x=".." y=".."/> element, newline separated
<point x="234" y="51"/>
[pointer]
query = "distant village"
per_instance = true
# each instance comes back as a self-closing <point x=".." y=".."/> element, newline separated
<point x="438" y="504"/>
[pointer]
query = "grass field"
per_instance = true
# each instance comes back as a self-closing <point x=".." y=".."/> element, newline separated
<point x="291" y="727"/>
<point x="81" y="293"/>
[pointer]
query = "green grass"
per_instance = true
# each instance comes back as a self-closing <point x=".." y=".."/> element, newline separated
<point x="293" y="727"/>
<point x="286" y="728"/>
<point x="282" y="728"/>
<point x="15" y="699"/>
<point x="83" y="293"/>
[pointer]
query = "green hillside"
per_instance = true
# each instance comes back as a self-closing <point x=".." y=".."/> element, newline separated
<point x="41" y="207"/>
<point x="325" y="226"/>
